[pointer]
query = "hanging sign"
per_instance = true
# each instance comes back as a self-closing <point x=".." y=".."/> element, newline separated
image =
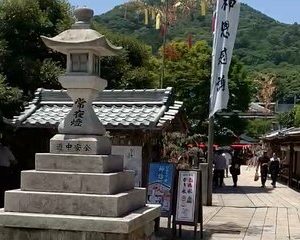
<point x="161" y="185"/>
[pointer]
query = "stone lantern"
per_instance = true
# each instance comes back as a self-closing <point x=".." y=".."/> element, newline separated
<point x="84" y="48"/>
<point x="79" y="190"/>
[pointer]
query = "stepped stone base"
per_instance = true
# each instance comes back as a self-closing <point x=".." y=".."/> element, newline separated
<point x="74" y="203"/>
<point x="67" y="182"/>
<point x="78" y="163"/>
<point x="29" y="226"/>
<point x="77" y="191"/>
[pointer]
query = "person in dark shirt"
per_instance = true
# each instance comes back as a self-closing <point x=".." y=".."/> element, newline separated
<point x="219" y="168"/>
<point x="263" y="164"/>
<point x="235" y="168"/>
<point x="274" y="167"/>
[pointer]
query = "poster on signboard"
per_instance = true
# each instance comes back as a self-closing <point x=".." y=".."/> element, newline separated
<point x="161" y="185"/>
<point x="132" y="160"/>
<point x="187" y="197"/>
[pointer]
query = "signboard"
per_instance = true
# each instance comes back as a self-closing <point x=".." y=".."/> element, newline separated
<point x="132" y="160"/>
<point x="187" y="197"/>
<point x="161" y="185"/>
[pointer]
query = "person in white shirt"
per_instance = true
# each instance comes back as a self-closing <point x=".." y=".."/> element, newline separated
<point x="228" y="158"/>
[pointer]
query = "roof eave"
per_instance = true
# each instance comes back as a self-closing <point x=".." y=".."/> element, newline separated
<point x="100" y="45"/>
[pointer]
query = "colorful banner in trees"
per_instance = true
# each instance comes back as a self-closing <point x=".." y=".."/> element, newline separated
<point x="225" y="29"/>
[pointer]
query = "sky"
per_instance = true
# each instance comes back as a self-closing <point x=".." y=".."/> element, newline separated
<point x="285" y="11"/>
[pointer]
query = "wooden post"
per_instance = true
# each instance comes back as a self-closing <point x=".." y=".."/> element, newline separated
<point x="210" y="160"/>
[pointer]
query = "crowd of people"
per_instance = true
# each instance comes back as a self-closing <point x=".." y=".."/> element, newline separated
<point x="226" y="161"/>
<point x="268" y="165"/>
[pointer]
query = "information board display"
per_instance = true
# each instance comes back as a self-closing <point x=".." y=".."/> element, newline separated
<point x="187" y="197"/>
<point x="161" y="185"/>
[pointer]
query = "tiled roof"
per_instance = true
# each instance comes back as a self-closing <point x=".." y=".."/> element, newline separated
<point x="282" y="133"/>
<point x="256" y="107"/>
<point x="116" y="109"/>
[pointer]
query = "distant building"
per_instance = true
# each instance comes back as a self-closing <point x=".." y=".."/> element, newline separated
<point x="256" y="110"/>
<point x="286" y="143"/>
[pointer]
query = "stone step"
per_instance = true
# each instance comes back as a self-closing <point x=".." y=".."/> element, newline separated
<point x="94" y="183"/>
<point x="78" y="163"/>
<point x="75" y="204"/>
<point x="124" y="224"/>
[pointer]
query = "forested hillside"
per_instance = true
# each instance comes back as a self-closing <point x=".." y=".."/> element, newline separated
<point x="260" y="40"/>
<point x="263" y="44"/>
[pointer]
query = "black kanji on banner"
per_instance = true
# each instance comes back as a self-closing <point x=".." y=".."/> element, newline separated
<point x="224" y="29"/>
<point x="220" y="84"/>
<point x="223" y="57"/>
<point x="230" y="3"/>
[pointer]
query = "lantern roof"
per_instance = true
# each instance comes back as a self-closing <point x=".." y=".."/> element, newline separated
<point x="81" y="37"/>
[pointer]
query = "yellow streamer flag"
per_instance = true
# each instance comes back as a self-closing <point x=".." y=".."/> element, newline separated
<point x="157" y="24"/>
<point x="153" y="14"/>
<point x="146" y="17"/>
<point x="203" y="7"/>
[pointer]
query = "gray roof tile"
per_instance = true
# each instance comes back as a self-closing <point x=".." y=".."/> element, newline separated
<point x="115" y="108"/>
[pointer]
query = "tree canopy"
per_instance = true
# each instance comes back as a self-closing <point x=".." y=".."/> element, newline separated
<point x="22" y="24"/>
<point x="188" y="69"/>
<point x="262" y="45"/>
<point x="25" y="62"/>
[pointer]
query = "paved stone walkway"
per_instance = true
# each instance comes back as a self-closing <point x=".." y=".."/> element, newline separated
<point x="249" y="212"/>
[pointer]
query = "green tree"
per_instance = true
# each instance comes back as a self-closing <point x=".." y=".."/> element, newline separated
<point x="10" y="99"/>
<point x="290" y="118"/>
<point x="22" y="23"/>
<point x="188" y="72"/>
<point x="130" y="68"/>
<point x="258" y="127"/>
<point x="189" y="75"/>
<point x="240" y="87"/>
<point x="286" y="119"/>
<point x="297" y="116"/>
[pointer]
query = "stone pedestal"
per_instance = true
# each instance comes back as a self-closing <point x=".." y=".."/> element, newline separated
<point x="135" y="226"/>
<point x="76" y="196"/>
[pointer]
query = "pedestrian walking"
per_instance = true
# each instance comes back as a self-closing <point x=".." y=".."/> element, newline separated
<point x="228" y="158"/>
<point x="263" y="164"/>
<point x="274" y="167"/>
<point x="235" y="168"/>
<point x="219" y="168"/>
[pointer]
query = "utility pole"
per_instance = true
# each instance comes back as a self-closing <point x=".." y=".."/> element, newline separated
<point x="165" y="29"/>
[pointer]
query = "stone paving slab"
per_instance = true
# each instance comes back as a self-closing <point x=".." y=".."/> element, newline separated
<point x="248" y="212"/>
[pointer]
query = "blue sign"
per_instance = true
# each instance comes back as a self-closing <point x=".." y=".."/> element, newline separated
<point x="161" y="185"/>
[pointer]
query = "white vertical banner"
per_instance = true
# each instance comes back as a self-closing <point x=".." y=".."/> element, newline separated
<point x="225" y="29"/>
